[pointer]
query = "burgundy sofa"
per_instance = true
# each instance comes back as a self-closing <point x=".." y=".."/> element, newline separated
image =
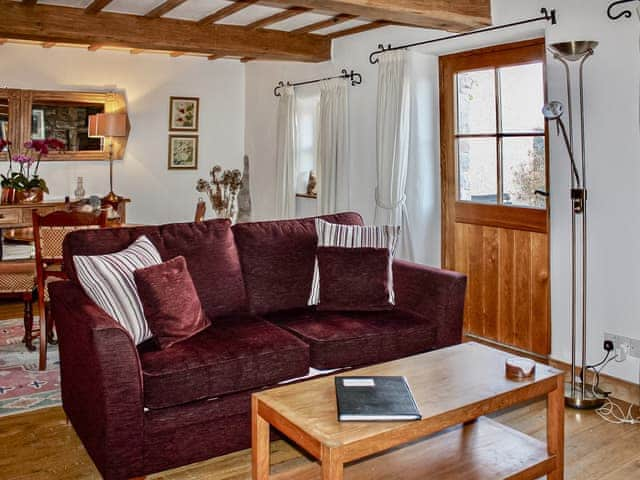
<point x="140" y="410"/>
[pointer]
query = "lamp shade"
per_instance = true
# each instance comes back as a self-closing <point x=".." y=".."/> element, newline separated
<point x="108" y="125"/>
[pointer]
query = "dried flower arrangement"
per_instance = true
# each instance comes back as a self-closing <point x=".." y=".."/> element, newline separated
<point x="223" y="191"/>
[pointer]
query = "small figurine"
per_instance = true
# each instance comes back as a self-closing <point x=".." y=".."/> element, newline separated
<point x="312" y="184"/>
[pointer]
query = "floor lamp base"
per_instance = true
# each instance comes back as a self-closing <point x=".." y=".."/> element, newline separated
<point x="575" y="399"/>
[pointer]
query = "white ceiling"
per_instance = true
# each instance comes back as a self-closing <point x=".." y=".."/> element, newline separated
<point x="197" y="9"/>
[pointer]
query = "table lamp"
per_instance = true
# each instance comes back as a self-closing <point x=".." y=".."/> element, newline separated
<point x="109" y="126"/>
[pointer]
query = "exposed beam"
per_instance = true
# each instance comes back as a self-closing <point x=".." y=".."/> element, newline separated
<point x="176" y="54"/>
<point x="164" y="8"/>
<point x="226" y="11"/>
<point x="278" y="17"/>
<point x="338" y="19"/>
<point x="136" y="51"/>
<point x="48" y="44"/>
<point x="29" y="2"/>
<point x="46" y="23"/>
<point x="455" y="16"/>
<point x="359" y="29"/>
<point x="95" y="47"/>
<point x="247" y="59"/>
<point x="3" y="41"/>
<point x="97" y="5"/>
<point x="214" y="57"/>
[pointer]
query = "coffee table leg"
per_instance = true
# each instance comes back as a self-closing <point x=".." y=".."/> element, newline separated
<point x="332" y="466"/>
<point x="259" y="443"/>
<point x="555" y="428"/>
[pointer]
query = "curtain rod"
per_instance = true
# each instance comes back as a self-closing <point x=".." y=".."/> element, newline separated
<point x="356" y="79"/>
<point x="548" y="15"/>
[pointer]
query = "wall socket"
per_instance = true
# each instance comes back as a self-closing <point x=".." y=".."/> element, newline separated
<point x="633" y="345"/>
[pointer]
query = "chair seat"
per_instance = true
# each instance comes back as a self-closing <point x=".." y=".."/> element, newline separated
<point x="350" y="339"/>
<point x="17" y="276"/>
<point x="234" y="354"/>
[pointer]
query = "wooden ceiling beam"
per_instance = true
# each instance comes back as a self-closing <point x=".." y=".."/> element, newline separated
<point x="247" y="59"/>
<point x="97" y="6"/>
<point x="136" y="51"/>
<point x="47" y="23"/>
<point x="359" y="29"/>
<point x="226" y="11"/>
<point x="454" y="16"/>
<point x="278" y="17"/>
<point x="164" y="8"/>
<point x="3" y="41"/>
<point x="48" y="44"/>
<point x="29" y="2"/>
<point x="95" y="47"/>
<point x="214" y="57"/>
<point x="338" y="19"/>
<point x="176" y="54"/>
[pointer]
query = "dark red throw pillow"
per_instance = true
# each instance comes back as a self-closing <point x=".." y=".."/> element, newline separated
<point x="170" y="302"/>
<point x="355" y="279"/>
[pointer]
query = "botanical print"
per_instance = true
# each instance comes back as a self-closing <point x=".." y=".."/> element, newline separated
<point x="183" y="152"/>
<point x="184" y="114"/>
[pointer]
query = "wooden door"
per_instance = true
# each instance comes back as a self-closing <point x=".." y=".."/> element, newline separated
<point x="495" y="213"/>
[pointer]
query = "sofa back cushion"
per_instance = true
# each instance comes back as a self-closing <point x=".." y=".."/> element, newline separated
<point x="278" y="260"/>
<point x="208" y="248"/>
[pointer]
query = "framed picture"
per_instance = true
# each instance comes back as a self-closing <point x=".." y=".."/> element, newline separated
<point x="37" y="124"/>
<point x="183" y="114"/>
<point x="183" y="152"/>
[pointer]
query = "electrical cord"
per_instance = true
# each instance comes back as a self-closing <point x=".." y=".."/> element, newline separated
<point x="611" y="411"/>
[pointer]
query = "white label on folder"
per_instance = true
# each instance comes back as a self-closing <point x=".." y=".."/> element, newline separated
<point x="358" y="382"/>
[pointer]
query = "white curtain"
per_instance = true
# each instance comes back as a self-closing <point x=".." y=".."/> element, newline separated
<point x="286" y="155"/>
<point x="393" y="137"/>
<point x="333" y="147"/>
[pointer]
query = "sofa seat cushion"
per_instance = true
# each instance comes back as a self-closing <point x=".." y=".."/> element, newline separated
<point x="350" y="339"/>
<point x="235" y="353"/>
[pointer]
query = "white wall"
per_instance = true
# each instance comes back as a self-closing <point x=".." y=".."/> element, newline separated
<point x="613" y="149"/>
<point x="158" y="195"/>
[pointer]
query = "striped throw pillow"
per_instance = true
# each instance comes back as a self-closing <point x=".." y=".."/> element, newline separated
<point x="108" y="280"/>
<point x="354" y="236"/>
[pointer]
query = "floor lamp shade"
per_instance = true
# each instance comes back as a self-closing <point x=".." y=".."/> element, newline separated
<point x="108" y="125"/>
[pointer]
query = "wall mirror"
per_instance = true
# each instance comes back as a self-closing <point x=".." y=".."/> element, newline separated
<point x="40" y="114"/>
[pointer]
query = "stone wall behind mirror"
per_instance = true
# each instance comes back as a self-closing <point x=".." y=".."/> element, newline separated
<point x="66" y="122"/>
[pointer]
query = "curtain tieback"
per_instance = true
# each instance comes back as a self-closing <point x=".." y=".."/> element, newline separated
<point x="390" y="206"/>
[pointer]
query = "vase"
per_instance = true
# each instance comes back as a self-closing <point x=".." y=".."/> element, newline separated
<point x="79" y="192"/>
<point x="8" y="196"/>
<point x="33" y="195"/>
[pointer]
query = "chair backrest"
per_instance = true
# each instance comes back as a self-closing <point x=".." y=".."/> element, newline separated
<point x="49" y="231"/>
<point x="201" y="209"/>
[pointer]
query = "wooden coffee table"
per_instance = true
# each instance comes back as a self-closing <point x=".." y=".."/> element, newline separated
<point x="453" y="387"/>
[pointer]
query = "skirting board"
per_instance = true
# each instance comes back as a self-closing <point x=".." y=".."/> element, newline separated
<point x="621" y="389"/>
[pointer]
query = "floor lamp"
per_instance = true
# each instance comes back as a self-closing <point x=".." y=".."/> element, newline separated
<point x="577" y="394"/>
<point x="109" y="126"/>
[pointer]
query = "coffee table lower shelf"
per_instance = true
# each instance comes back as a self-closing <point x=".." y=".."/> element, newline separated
<point x="484" y="449"/>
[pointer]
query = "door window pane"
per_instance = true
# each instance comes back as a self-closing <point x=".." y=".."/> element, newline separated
<point x="477" y="169"/>
<point x="476" y="100"/>
<point x="521" y="98"/>
<point x="523" y="171"/>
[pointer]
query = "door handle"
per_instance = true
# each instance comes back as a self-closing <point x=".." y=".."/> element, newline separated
<point x="541" y="193"/>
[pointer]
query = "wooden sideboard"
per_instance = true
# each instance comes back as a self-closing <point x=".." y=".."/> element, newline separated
<point x="19" y="215"/>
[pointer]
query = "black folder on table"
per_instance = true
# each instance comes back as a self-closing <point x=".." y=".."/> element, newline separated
<point x="375" y="399"/>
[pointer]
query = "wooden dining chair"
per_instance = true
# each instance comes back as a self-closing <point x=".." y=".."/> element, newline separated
<point x="48" y="233"/>
<point x="201" y="209"/>
<point x="17" y="280"/>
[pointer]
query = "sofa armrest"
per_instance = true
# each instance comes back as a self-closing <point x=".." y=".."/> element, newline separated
<point x="101" y="379"/>
<point x="432" y="293"/>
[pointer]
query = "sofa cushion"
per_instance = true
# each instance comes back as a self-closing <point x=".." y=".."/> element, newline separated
<point x="354" y="279"/>
<point x="170" y="302"/>
<point x="208" y="247"/>
<point x="108" y="280"/>
<point x="350" y="339"/>
<point x="278" y="259"/>
<point x="235" y="353"/>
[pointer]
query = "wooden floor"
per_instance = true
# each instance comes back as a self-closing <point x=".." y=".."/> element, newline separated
<point x="41" y="446"/>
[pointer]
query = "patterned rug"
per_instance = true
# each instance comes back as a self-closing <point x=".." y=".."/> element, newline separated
<point x="22" y="386"/>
